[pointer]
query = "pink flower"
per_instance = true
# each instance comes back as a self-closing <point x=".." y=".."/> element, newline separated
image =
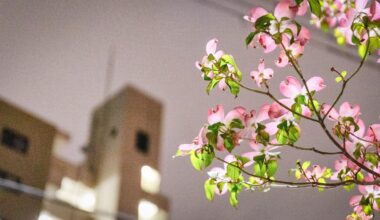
<point x="295" y="49"/>
<point x="255" y="13"/>
<point x="375" y="11"/>
<point x="374" y="133"/>
<point x="291" y="88"/>
<point x="217" y="115"/>
<point x="316" y="173"/>
<point x="345" y="110"/>
<point x="210" y="49"/>
<point x="266" y="42"/>
<point x="197" y="143"/>
<point x="262" y="75"/>
<point x="289" y="9"/>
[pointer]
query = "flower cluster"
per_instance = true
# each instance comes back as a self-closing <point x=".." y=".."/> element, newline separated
<point x="279" y="30"/>
<point x="261" y="134"/>
<point x="354" y="21"/>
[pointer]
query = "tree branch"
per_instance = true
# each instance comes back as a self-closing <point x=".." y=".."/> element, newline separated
<point x="289" y="183"/>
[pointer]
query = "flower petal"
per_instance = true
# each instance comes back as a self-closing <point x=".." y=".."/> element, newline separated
<point x="283" y="9"/>
<point x="255" y="13"/>
<point x="316" y="84"/>
<point x="333" y="115"/>
<point x="211" y="46"/>
<point x="291" y="87"/>
<point x="215" y="115"/>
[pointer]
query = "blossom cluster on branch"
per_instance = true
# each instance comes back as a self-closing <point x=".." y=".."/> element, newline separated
<point x="275" y="126"/>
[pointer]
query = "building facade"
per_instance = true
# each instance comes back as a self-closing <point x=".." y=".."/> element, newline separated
<point x="123" y="155"/>
<point x="26" y="144"/>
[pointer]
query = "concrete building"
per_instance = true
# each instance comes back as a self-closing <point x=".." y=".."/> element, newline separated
<point x="123" y="156"/>
<point x="120" y="178"/>
<point x="26" y="144"/>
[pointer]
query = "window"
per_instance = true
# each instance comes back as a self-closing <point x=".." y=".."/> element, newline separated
<point x="147" y="210"/>
<point x="14" y="140"/>
<point x="150" y="179"/>
<point x="142" y="142"/>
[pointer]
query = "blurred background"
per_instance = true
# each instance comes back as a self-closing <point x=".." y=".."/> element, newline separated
<point x="97" y="95"/>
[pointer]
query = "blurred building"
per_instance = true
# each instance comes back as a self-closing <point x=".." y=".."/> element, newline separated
<point x="25" y="152"/>
<point x="123" y="156"/>
<point x="120" y="178"/>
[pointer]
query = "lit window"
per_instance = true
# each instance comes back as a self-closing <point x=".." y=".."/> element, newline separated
<point x="44" y="215"/>
<point x="77" y="194"/>
<point x="147" y="210"/>
<point x="150" y="179"/>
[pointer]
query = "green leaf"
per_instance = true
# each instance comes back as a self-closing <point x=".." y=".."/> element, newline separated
<point x="351" y="120"/>
<point x="344" y="73"/>
<point x="377" y="200"/>
<point x="297" y="174"/>
<point x="212" y="84"/>
<point x="234" y="86"/>
<point x="362" y="50"/>
<point x="341" y="77"/>
<point x="367" y="209"/>
<point x="228" y="142"/>
<point x="259" y="166"/>
<point x="259" y="159"/>
<point x="201" y="160"/>
<point x="374" y="44"/>
<point x="212" y="138"/>
<point x="299" y="2"/>
<point x="349" y="187"/>
<point x="315" y="7"/>
<point x="299" y="27"/>
<point x="243" y="160"/>
<point x="230" y="60"/>
<point x="209" y="188"/>
<point x="360" y="177"/>
<point x="300" y="100"/>
<point x="338" y="79"/>
<point x="283" y="125"/>
<point x="327" y="173"/>
<point x="211" y="57"/>
<point x="259" y="169"/>
<point x="321" y="188"/>
<point x="305" y="165"/>
<point x="355" y="40"/>
<point x="282" y="136"/>
<point x="296" y="108"/>
<point x="263" y="22"/>
<point x="233" y="171"/>
<point x="277" y="37"/>
<point x="233" y="199"/>
<point x="357" y="153"/>
<point x="294" y="134"/>
<point x="220" y="186"/>
<point x="262" y="137"/>
<point x="372" y="158"/>
<point x="178" y="153"/>
<point x="236" y="123"/>
<point x="272" y="168"/>
<point x="250" y="37"/>
<point x="215" y="127"/>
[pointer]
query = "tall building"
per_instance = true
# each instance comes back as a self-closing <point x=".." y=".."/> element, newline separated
<point x="119" y="180"/>
<point x="123" y="156"/>
<point x="26" y="144"/>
